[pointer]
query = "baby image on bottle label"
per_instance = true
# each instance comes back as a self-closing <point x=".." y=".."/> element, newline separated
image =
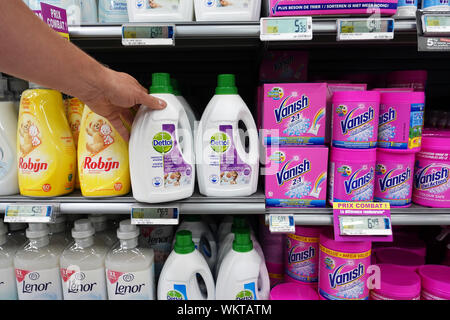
<point x="130" y="285"/>
<point x="39" y="285"/>
<point x="83" y="285"/>
<point x="177" y="172"/>
<point x="232" y="170"/>
<point x="227" y="3"/>
<point x="29" y="135"/>
<point x="166" y="5"/>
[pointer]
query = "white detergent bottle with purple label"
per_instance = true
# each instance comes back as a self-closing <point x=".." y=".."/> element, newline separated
<point x="224" y="167"/>
<point x="83" y="265"/>
<point x="37" y="266"/>
<point x="8" y="288"/>
<point x="179" y="279"/>
<point x="130" y="269"/>
<point x="243" y="274"/>
<point x="161" y="149"/>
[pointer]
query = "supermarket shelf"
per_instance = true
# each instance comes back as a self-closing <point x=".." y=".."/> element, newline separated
<point x="414" y="215"/>
<point x="217" y="30"/>
<point x="197" y="204"/>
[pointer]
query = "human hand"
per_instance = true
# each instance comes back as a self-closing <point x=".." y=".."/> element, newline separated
<point x="114" y="97"/>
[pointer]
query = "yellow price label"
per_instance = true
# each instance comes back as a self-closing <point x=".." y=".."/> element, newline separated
<point x="347" y="29"/>
<point x="272" y="29"/>
<point x="433" y="22"/>
<point x="130" y="34"/>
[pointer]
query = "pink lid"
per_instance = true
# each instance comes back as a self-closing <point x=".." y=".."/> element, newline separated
<point x="435" y="132"/>
<point x="407" y="97"/>
<point x="435" y="277"/>
<point x="357" y="96"/>
<point x="327" y="240"/>
<point x="434" y="142"/>
<point x="294" y="291"/>
<point x="400" y="257"/>
<point x="387" y="155"/>
<point x="308" y="231"/>
<point x="397" y="281"/>
<point x="353" y="155"/>
<point x="393" y="89"/>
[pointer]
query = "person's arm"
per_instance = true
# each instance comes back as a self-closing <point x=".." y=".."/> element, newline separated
<point x="30" y="50"/>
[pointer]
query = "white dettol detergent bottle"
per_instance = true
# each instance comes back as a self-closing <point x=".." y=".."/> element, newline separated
<point x="189" y="111"/>
<point x="8" y="287"/>
<point x="161" y="149"/>
<point x="224" y="167"/>
<point x="58" y="235"/>
<point x="130" y="270"/>
<point x="203" y="238"/>
<point x="103" y="234"/>
<point x="179" y="276"/>
<point x="9" y="183"/>
<point x="160" y="10"/>
<point x="83" y="265"/>
<point x="37" y="266"/>
<point x="243" y="274"/>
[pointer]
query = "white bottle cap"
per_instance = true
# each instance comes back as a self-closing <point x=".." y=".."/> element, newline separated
<point x="37" y="230"/>
<point x="97" y="218"/>
<point x="3" y="228"/>
<point x="60" y="219"/>
<point x="17" y="226"/>
<point x="59" y="225"/>
<point x="82" y="229"/>
<point x="127" y="230"/>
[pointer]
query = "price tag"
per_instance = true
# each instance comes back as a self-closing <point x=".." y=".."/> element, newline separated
<point x="155" y="215"/>
<point x="436" y="24"/>
<point x="31" y="213"/>
<point x="365" y="29"/>
<point x="148" y="35"/>
<point x="362" y="221"/>
<point x="286" y="28"/>
<point x="281" y="223"/>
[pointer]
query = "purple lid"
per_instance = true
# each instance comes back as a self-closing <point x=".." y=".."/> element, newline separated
<point x="357" y="96"/>
<point x="294" y="291"/>
<point x="388" y="155"/>
<point x="308" y="231"/>
<point x="399" y="257"/>
<point x="398" y="281"/>
<point x="435" y="277"/>
<point x="353" y="155"/>
<point x="327" y="240"/>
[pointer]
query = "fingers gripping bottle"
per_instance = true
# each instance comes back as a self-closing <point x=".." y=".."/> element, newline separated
<point x="243" y="274"/>
<point x="130" y="269"/>
<point x="202" y="237"/>
<point x="37" y="266"/>
<point x="45" y="148"/>
<point x="224" y="167"/>
<point x="83" y="265"/>
<point x="161" y="149"/>
<point x="178" y="279"/>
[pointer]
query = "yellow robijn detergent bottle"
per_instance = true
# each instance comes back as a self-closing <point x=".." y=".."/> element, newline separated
<point x="74" y="112"/>
<point x="45" y="148"/>
<point x="102" y="158"/>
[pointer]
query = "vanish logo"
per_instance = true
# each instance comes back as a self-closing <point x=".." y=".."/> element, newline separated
<point x="427" y="178"/>
<point x="350" y="123"/>
<point x="108" y="165"/>
<point x="302" y="255"/>
<point x="355" y="183"/>
<point x="387" y="116"/>
<point x="338" y="279"/>
<point x="32" y="166"/>
<point x="389" y="182"/>
<point x="288" y="174"/>
<point x="285" y="111"/>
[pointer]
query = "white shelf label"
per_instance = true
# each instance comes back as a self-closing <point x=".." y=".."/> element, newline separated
<point x="155" y="215"/>
<point x="436" y="24"/>
<point x="281" y="223"/>
<point x="286" y="29"/>
<point x="148" y="35"/>
<point x="365" y="29"/>
<point x="30" y="213"/>
<point x="365" y="225"/>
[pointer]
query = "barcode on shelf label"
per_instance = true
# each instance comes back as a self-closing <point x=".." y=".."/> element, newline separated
<point x="286" y="28"/>
<point x="155" y="215"/>
<point x="30" y="213"/>
<point x="148" y="35"/>
<point x="365" y="29"/>
<point x="281" y="223"/>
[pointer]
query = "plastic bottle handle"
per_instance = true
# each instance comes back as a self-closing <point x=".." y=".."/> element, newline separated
<point x="265" y="282"/>
<point x="209" y="281"/>
<point x="187" y="152"/>
<point x="253" y="151"/>
<point x="213" y="246"/>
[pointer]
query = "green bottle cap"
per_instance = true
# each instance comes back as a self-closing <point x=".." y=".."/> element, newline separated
<point x="161" y="83"/>
<point x="183" y="242"/>
<point x="238" y="222"/>
<point x="176" y="88"/>
<point x="226" y="84"/>
<point x="242" y="241"/>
